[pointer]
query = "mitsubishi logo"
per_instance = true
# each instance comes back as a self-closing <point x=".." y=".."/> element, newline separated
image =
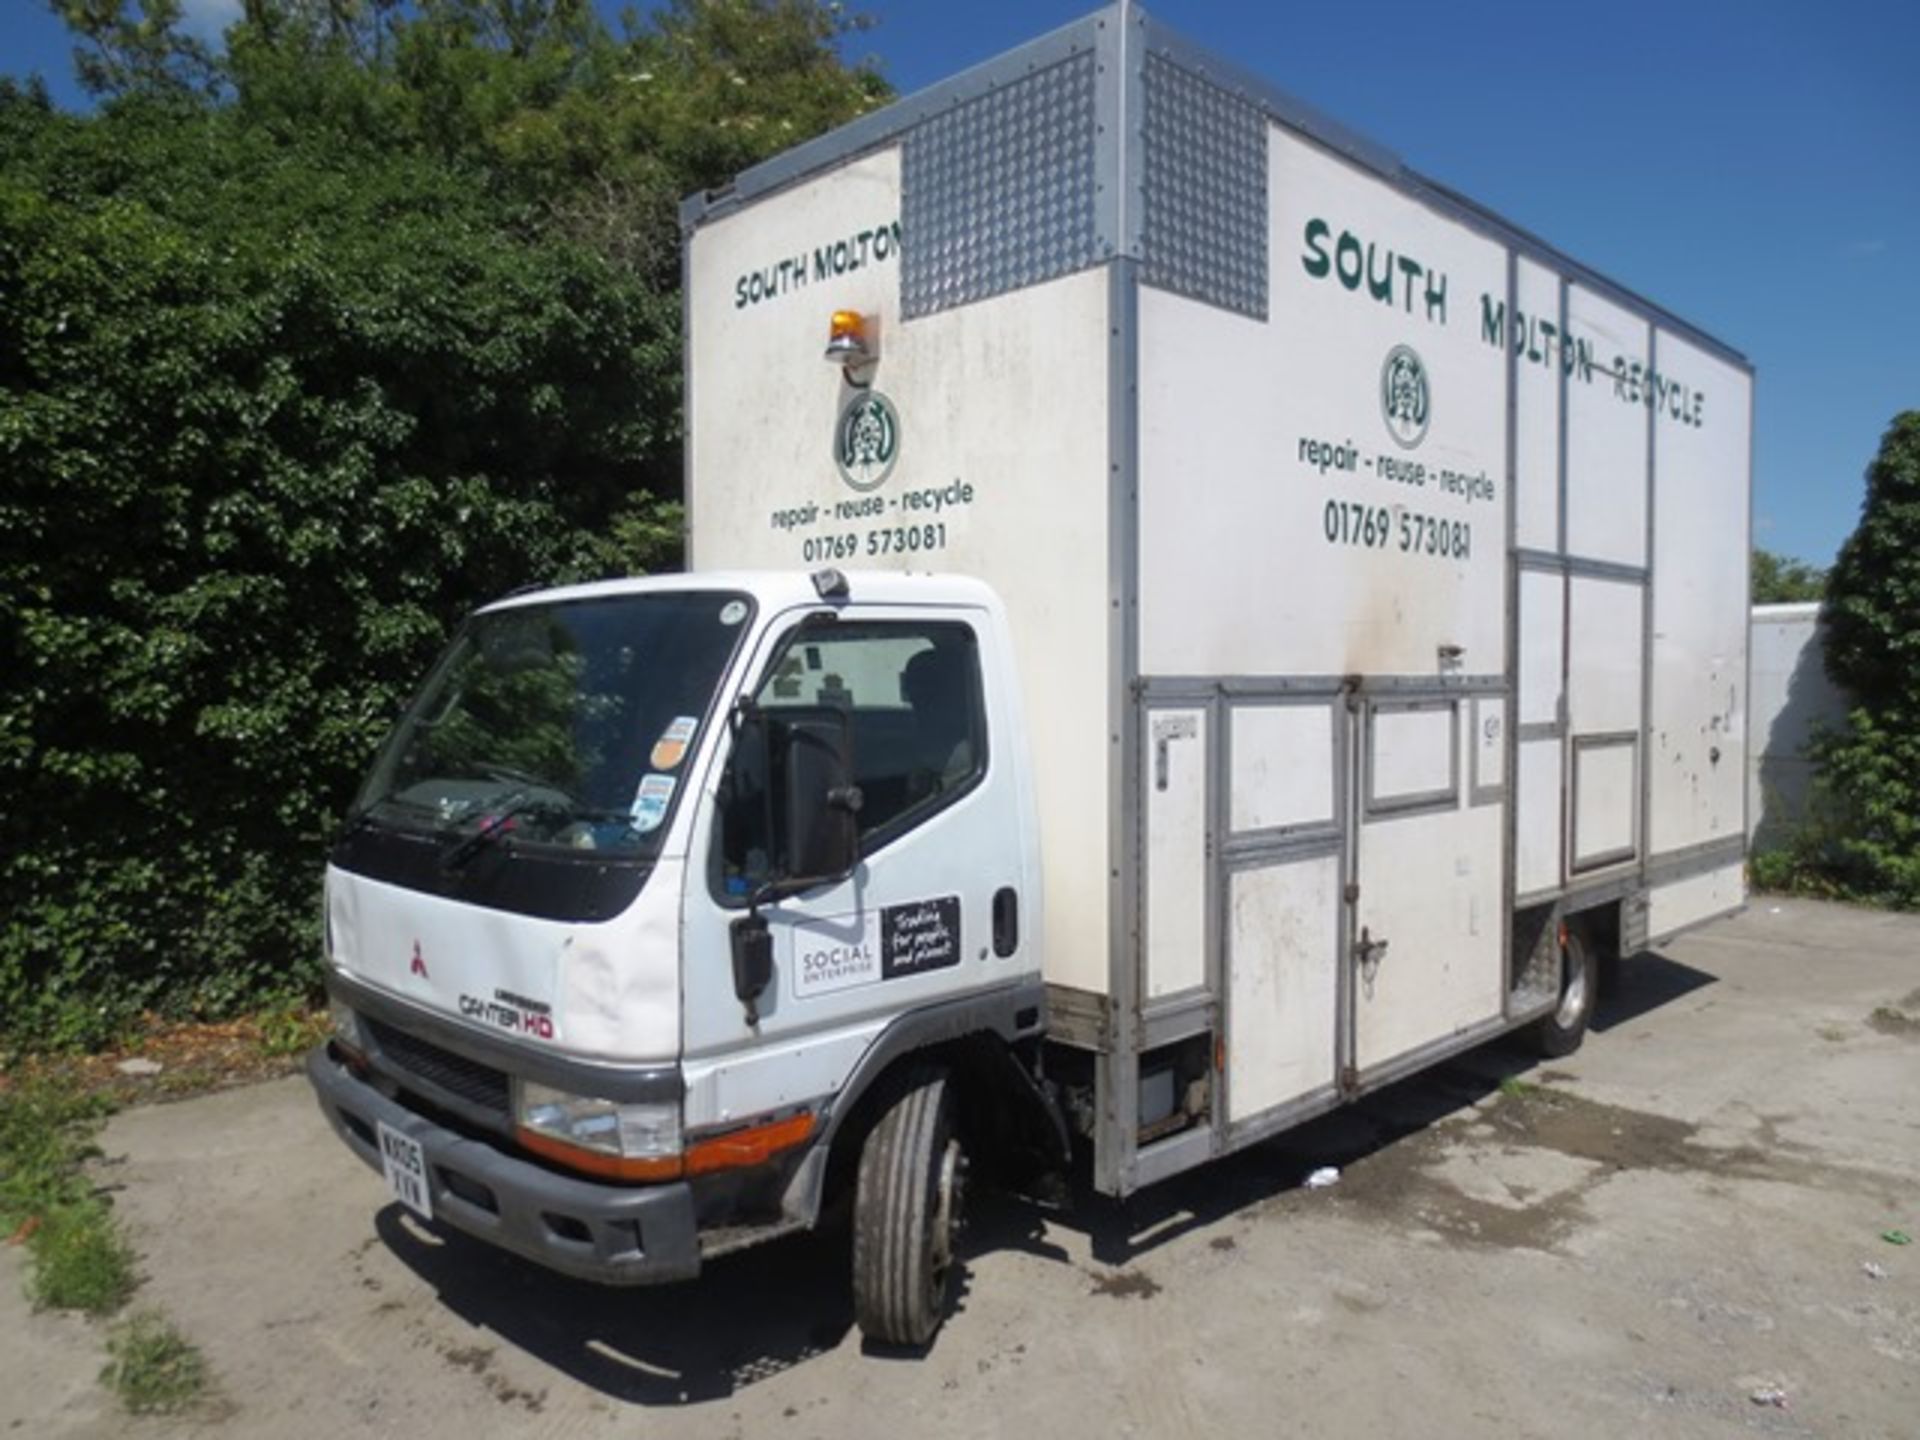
<point x="419" y="965"/>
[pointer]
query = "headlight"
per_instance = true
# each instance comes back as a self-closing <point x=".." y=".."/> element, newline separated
<point x="628" y="1141"/>
<point x="346" y="1026"/>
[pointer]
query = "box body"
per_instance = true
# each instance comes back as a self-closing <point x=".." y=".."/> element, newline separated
<point x="1377" y="572"/>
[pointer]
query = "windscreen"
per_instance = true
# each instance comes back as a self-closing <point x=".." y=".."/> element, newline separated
<point x="559" y="729"/>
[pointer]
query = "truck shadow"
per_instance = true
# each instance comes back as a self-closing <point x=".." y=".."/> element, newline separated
<point x="758" y="1313"/>
<point x="748" y="1317"/>
<point x="1119" y="1232"/>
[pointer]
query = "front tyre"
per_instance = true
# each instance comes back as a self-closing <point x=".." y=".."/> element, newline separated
<point x="1561" y="1032"/>
<point x="906" y="1213"/>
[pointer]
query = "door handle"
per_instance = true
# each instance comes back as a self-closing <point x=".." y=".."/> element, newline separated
<point x="1006" y="921"/>
<point x="1165" y="732"/>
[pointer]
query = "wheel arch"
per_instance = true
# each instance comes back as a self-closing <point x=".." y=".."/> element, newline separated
<point x="989" y="1042"/>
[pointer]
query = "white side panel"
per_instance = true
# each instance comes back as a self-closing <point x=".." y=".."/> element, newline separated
<point x="1487" y="747"/>
<point x="1606" y="432"/>
<point x="1282" y="938"/>
<point x="1603" y="674"/>
<point x="1411" y="753"/>
<point x="1542" y="642"/>
<point x="1698" y="743"/>
<point x="1001" y="473"/>
<point x="1283" y="766"/>
<point x="1324" y="493"/>
<point x="1174" y="773"/>
<point x="1535" y="337"/>
<point x="1672" y="908"/>
<point x="1605" y="789"/>
<point x="1537" y="824"/>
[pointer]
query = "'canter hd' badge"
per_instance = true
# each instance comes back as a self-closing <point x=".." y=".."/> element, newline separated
<point x="866" y="442"/>
<point x="1405" y="400"/>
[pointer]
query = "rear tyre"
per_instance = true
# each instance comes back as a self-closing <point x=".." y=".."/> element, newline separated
<point x="1561" y="1031"/>
<point x="906" y="1213"/>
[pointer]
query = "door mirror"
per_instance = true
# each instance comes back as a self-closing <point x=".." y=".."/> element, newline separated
<point x="752" y="961"/>
<point x="789" y="808"/>
<point x="819" y="804"/>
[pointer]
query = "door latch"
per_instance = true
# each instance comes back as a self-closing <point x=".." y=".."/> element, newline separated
<point x="1367" y="951"/>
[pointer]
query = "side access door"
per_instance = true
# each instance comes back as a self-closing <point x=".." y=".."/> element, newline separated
<point x="1425" y="935"/>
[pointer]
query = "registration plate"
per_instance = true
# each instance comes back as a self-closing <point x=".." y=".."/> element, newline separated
<point x="404" y="1164"/>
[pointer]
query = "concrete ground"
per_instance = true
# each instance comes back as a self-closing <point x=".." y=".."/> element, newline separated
<point x="1685" y="1215"/>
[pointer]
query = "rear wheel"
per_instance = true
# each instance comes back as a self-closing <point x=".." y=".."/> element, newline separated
<point x="906" y="1213"/>
<point x="1560" y="1032"/>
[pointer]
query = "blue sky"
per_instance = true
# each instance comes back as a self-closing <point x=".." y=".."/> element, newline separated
<point x="1753" y="165"/>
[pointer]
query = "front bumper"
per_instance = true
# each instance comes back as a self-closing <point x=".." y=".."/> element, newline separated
<point x="615" y="1234"/>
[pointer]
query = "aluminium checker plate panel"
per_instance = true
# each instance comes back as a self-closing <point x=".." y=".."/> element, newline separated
<point x="1206" y="191"/>
<point x="999" y="193"/>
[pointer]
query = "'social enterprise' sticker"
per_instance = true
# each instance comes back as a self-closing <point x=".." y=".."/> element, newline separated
<point x="650" y="802"/>
<point x="671" y="748"/>
<point x="733" y="612"/>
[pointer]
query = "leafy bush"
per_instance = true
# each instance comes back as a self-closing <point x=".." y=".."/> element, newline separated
<point x="273" y="420"/>
<point x="1780" y="580"/>
<point x="309" y="347"/>
<point x="1870" y="767"/>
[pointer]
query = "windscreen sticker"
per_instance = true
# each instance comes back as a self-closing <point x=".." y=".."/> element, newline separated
<point x="650" y="802"/>
<point x="671" y="748"/>
<point x="733" y="612"/>
<point x="919" y="937"/>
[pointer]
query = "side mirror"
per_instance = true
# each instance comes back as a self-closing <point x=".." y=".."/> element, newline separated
<point x="821" y="803"/>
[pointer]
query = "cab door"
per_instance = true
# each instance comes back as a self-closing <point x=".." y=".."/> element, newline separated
<point x="934" y="906"/>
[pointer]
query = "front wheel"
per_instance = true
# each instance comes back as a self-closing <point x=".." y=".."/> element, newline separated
<point x="906" y="1213"/>
<point x="1561" y="1032"/>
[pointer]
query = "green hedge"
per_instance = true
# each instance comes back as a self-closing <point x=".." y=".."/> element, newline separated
<point x="272" y="417"/>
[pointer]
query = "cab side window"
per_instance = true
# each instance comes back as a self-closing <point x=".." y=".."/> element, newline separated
<point x="914" y="702"/>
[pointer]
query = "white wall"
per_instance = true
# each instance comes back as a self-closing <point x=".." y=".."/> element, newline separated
<point x="1790" y="694"/>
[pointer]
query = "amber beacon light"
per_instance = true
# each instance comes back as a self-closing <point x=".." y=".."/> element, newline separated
<point x="849" y="342"/>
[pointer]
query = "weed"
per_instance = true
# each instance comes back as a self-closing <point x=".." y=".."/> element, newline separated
<point x="1514" y="1088"/>
<point x="291" y="1031"/>
<point x="46" y="1133"/>
<point x="152" y="1367"/>
<point x="80" y="1261"/>
<point x="1889" y="1021"/>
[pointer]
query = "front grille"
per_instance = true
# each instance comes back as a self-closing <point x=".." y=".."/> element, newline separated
<point x="469" y="1080"/>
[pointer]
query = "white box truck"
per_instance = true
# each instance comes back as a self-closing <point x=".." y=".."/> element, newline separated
<point x="1230" y="622"/>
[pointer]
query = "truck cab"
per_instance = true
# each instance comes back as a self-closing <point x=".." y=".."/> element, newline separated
<point x="669" y="900"/>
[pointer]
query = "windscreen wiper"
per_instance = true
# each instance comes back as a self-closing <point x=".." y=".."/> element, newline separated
<point x="463" y="850"/>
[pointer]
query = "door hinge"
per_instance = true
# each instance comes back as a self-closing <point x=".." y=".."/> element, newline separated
<point x="1353" y="892"/>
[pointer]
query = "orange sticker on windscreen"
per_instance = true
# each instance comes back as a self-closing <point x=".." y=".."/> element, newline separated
<point x="671" y="748"/>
